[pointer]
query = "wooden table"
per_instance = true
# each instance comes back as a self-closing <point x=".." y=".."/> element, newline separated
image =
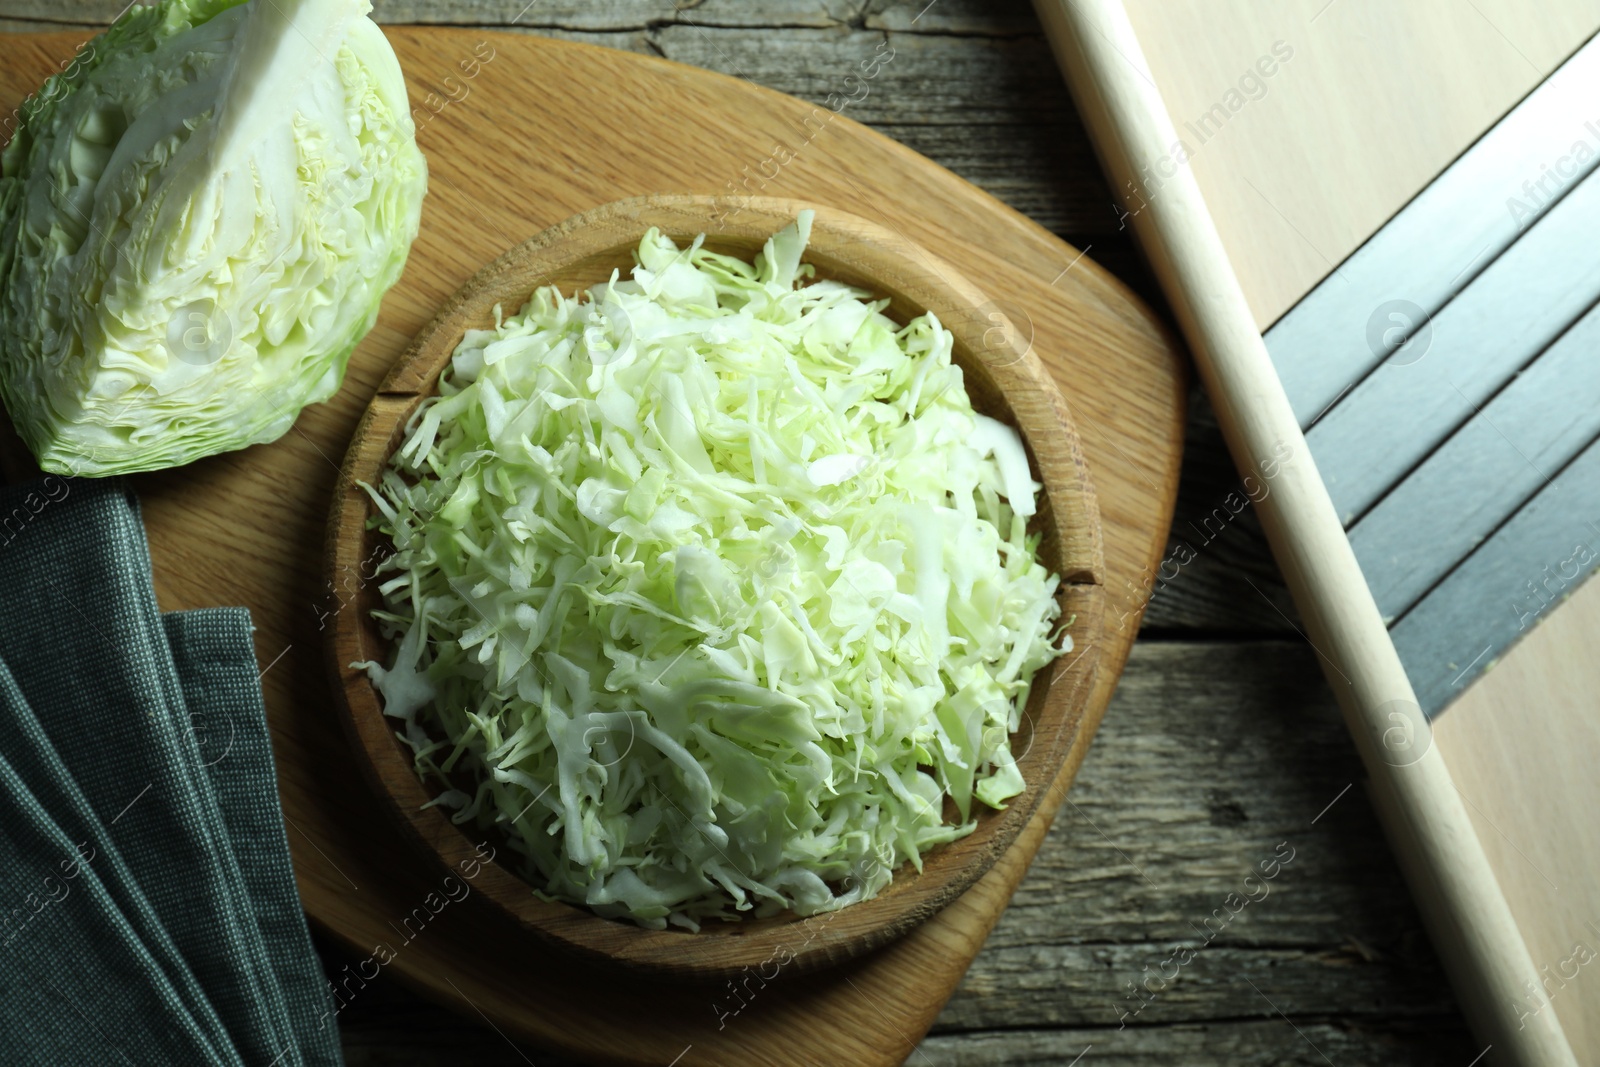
<point x="1222" y="748"/>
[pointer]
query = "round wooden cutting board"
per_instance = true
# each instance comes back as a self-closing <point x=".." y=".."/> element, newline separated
<point x="521" y="132"/>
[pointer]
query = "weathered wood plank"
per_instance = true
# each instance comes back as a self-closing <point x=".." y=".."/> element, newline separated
<point x="992" y="110"/>
<point x="1213" y="758"/>
<point x="1423" y="1043"/>
<point x="1218" y="574"/>
<point x="1089" y="985"/>
<point x="963" y="17"/>
<point x="421" y="1035"/>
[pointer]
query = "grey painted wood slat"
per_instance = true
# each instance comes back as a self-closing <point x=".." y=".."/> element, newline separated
<point x="1453" y="227"/>
<point x="1484" y="472"/>
<point x="1497" y="593"/>
<point x="1516" y="307"/>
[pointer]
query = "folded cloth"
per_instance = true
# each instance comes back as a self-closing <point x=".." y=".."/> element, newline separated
<point x="124" y="923"/>
<point x="77" y="984"/>
<point x="125" y="699"/>
<point x="215" y="655"/>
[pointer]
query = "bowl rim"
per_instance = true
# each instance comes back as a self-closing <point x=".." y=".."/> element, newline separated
<point x="999" y="365"/>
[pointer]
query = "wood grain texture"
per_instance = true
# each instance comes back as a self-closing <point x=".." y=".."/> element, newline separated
<point x="1523" y="741"/>
<point x="1366" y="987"/>
<point x="1211" y="754"/>
<point x="400" y="1036"/>
<point x="1377" y="98"/>
<point x="972" y="85"/>
<point x="1425" y="818"/>
<point x="1295" y="181"/>
<point x="1367" y="990"/>
<point x="246" y="527"/>
<point x="1006" y="381"/>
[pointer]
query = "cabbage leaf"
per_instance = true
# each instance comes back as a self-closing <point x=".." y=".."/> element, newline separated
<point x="198" y="220"/>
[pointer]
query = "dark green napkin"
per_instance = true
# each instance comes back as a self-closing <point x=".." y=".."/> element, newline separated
<point x="49" y="807"/>
<point x="159" y="727"/>
<point x="214" y="652"/>
<point x="77" y="985"/>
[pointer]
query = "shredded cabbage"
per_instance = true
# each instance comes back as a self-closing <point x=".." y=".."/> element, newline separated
<point x="715" y="586"/>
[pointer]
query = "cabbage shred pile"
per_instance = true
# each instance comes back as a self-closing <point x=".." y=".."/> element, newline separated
<point x="716" y="586"/>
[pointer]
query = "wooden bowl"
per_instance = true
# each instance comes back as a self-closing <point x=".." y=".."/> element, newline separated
<point x="1004" y="379"/>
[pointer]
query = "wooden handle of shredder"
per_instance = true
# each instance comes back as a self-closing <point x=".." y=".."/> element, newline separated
<point x="1424" y="816"/>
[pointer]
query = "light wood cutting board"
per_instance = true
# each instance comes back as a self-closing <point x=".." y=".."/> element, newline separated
<point x="1375" y="101"/>
<point x="521" y="132"/>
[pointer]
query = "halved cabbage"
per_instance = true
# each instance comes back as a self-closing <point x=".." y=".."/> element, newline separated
<point x="198" y="219"/>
